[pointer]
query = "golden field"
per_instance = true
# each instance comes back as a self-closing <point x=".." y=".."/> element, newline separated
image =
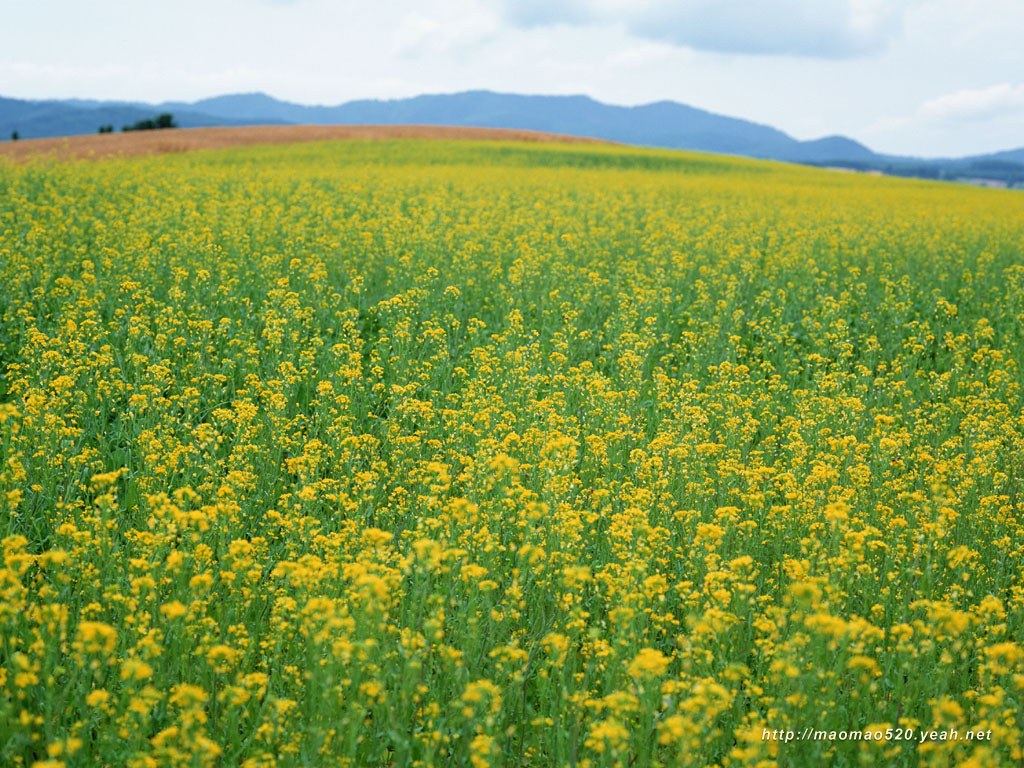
<point x="414" y="453"/>
<point x="161" y="142"/>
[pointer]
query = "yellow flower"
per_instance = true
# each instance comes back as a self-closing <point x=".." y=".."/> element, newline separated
<point x="173" y="609"/>
<point x="481" y="750"/>
<point x="96" y="637"/>
<point x="97" y="698"/>
<point x="837" y="512"/>
<point x="648" y="663"/>
<point x="609" y="734"/>
<point x="135" y="669"/>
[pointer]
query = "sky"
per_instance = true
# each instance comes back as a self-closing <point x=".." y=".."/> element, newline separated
<point x="920" y="77"/>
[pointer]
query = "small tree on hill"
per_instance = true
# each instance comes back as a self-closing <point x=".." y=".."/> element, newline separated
<point x="163" y="120"/>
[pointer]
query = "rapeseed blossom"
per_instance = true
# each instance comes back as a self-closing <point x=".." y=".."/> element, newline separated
<point x="397" y="453"/>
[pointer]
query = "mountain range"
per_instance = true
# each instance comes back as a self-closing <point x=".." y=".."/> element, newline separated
<point x="661" y="124"/>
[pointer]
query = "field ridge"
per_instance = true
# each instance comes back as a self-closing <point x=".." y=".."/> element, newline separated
<point x="136" y="143"/>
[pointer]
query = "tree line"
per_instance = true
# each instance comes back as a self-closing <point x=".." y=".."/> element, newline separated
<point x="163" y="120"/>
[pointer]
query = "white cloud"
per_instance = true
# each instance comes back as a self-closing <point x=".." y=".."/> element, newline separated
<point x="830" y="29"/>
<point x="641" y="55"/>
<point x="976" y="104"/>
<point x="962" y="122"/>
<point x="456" y="27"/>
<point x="414" y="32"/>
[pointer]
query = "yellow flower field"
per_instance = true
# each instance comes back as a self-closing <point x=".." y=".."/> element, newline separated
<point x="473" y="454"/>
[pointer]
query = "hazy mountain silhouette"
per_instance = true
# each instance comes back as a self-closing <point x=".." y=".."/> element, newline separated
<point x="39" y="119"/>
<point x="661" y="124"/>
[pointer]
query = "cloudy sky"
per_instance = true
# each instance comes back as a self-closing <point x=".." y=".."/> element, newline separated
<point x="924" y="77"/>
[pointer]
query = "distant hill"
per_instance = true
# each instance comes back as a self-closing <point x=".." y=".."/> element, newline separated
<point x="43" y="119"/>
<point x="1011" y="155"/>
<point x="661" y="124"/>
<point x="838" y="148"/>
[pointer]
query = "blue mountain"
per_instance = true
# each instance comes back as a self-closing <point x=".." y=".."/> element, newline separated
<point x="660" y="124"/>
